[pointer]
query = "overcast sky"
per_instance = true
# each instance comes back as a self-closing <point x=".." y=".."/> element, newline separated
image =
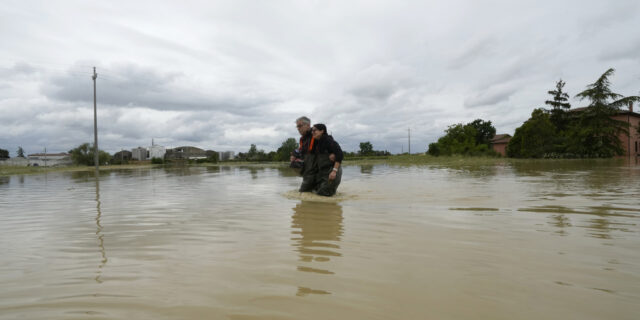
<point x="222" y="75"/>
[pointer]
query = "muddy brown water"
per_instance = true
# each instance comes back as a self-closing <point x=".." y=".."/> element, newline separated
<point x="539" y="240"/>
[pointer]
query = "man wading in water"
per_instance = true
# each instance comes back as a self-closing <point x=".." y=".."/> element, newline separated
<point x="319" y="157"/>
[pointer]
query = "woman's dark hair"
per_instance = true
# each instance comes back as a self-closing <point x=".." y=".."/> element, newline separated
<point x="322" y="127"/>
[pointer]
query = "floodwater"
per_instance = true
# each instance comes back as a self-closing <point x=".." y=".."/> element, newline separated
<point x="529" y="240"/>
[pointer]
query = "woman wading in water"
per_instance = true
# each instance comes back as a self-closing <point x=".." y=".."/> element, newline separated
<point x="326" y="173"/>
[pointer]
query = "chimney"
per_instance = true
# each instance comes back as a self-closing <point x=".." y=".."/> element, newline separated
<point x="631" y="106"/>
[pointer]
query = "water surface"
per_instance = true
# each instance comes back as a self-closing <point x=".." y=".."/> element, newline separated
<point x="528" y="240"/>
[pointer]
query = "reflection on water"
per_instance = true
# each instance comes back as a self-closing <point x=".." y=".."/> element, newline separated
<point x="99" y="234"/>
<point x="87" y="176"/>
<point x="317" y="228"/>
<point x="561" y="222"/>
<point x="366" y="169"/>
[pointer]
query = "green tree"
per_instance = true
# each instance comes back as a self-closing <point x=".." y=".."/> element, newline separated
<point x="256" y="155"/>
<point x="84" y="155"/>
<point x="212" y="156"/>
<point x="559" y="105"/>
<point x="485" y="131"/>
<point x="471" y="139"/>
<point x="433" y="149"/>
<point x="595" y="133"/>
<point x="4" y="154"/>
<point x="534" y="139"/>
<point x="366" y="148"/>
<point x="20" y="152"/>
<point x="284" y="152"/>
<point x="252" y="153"/>
<point x="458" y="139"/>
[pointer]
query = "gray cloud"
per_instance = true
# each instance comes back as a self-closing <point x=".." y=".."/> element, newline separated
<point x="222" y="75"/>
<point x="132" y="85"/>
<point x="491" y="96"/>
<point x="474" y="52"/>
<point x="627" y="50"/>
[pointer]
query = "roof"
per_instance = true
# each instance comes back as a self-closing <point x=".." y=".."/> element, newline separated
<point x="501" y="138"/>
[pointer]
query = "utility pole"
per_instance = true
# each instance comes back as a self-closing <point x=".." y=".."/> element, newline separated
<point x="409" y="129"/>
<point x="95" y="121"/>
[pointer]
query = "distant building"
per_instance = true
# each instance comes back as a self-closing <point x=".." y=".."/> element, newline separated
<point x="157" y="152"/>
<point x="49" y="159"/>
<point x="185" y="152"/>
<point x="630" y="141"/>
<point x="227" y="155"/>
<point x="139" y="153"/>
<point x="499" y="143"/>
<point x="121" y="156"/>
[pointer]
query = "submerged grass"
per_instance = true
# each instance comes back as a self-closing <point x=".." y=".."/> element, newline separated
<point x="422" y="159"/>
<point x="458" y="160"/>
<point x="20" y="170"/>
<point x="397" y="160"/>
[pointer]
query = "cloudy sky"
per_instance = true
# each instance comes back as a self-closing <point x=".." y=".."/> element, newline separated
<point x="222" y="75"/>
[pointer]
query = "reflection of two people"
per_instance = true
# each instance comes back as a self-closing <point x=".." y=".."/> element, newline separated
<point x="317" y="229"/>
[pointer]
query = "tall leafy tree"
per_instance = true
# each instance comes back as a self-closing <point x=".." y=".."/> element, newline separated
<point x="83" y="155"/>
<point x="4" y="154"/>
<point x="534" y="139"/>
<point x="560" y="104"/>
<point x="20" y="152"/>
<point x="485" y="131"/>
<point x="595" y="134"/>
<point x="465" y="139"/>
<point x="256" y="155"/>
<point x="284" y="152"/>
<point x="366" y="148"/>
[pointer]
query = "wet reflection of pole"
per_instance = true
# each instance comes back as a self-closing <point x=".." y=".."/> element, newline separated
<point x="561" y="222"/>
<point x="103" y="262"/>
<point x="317" y="228"/>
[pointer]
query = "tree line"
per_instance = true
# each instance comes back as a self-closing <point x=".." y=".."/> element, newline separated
<point x="290" y="144"/>
<point x="589" y="132"/>
<point x="471" y="139"/>
<point x="4" y="153"/>
<point x="554" y="132"/>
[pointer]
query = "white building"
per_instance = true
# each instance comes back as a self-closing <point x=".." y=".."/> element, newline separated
<point x="49" y="159"/>
<point x="227" y="155"/>
<point x="157" y="152"/>
<point x="139" y="153"/>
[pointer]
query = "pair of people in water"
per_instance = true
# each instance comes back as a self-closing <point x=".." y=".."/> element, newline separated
<point x="319" y="158"/>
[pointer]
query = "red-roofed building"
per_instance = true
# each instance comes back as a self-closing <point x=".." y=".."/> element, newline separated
<point x="499" y="143"/>
<point x="630" y="142"/>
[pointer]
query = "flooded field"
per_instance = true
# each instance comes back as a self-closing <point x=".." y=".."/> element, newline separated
<point x="526" y="240"/>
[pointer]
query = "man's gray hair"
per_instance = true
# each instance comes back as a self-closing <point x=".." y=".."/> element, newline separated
<point x="304" y="119"/>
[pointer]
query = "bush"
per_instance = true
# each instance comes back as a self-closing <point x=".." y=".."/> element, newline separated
<point x="471" y="139"/>
<point x="155" y="160"/>
<point x="83" y="155"/>
<point x="434" y="150"/>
